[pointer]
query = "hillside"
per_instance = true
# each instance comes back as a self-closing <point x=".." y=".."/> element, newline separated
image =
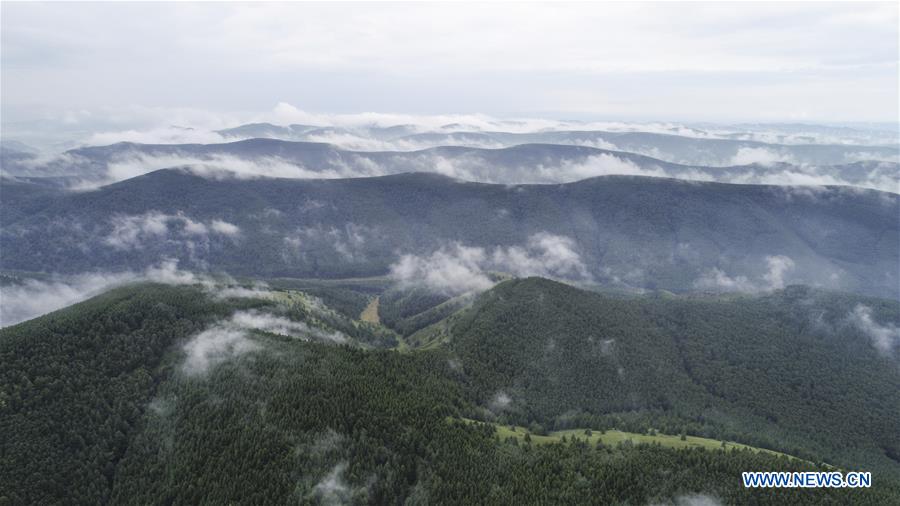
<point x="784" y="371"/>
<point x="549" y="157"/>
<point x="618" y="230"/>
<point x="153" y="394"/>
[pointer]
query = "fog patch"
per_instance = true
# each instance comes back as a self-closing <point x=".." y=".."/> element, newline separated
<point x="461" y="269"/>
<point x="132" y="231"/>
<point x="214" y="346"/>
<point x="598" y="165"/>
<point x="500" y="402"/>
<point x="215" y="166"/>
<point x="774" y="278"/>
<point x="451" y="271"/>
<point x="332" y="489"/>
<point x="242" y="292"/>
<point x="160" y="135"/>
<point x="273" y="324"/>
<point x="33" y="297"/>
<point x="348" y="242"/>
<point x="885" y="338"/>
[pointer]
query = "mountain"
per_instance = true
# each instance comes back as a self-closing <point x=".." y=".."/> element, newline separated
<point x="702" y="151"/>
<point x="623" y="231"/>
<point x="521" y="163"/>
<point x="737" y="145"/>
<point x="558" y="354"/>
<point x="188" y="394"/>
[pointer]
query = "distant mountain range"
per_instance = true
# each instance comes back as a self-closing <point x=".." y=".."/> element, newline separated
<point x="698" y="148"/>
<point x="522" y="163"/>
<point x="632" y="232"/>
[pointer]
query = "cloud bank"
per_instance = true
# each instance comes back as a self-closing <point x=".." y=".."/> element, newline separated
<point x="132" y="231"/>
<point x="885" y="338"/>
<point x="459" y="269"/>
<point x="777" y="268"/>
<point x="32" y="297"/>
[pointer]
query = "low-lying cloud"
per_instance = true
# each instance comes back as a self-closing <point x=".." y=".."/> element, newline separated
<point x="885" y="338"/>
<point x="332" y="489"/>
<point x="459" y="269"/>
<point x="273" y="324"/>
<point x="214" y="166"/>
<point x="774" y="278"/>
<point x="132" y="231"/>
<point x="214" y="346"/>
<point x="34" y="297"/>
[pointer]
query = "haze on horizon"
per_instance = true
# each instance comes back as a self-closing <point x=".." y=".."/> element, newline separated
<point x="65" y="68"/>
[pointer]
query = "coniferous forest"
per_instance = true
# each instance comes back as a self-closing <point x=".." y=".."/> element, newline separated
<point x="112" y="401"/>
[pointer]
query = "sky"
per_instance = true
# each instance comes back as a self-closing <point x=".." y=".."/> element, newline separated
<point x="137" y="65"/>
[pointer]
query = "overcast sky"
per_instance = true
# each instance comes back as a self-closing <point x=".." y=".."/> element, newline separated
<point x="136" y="64"/>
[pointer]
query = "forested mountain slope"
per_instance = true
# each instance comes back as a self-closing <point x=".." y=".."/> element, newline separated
<point x="792" y="371"/>
<point x="616" y="230"/>
<point x="155" y="394"/>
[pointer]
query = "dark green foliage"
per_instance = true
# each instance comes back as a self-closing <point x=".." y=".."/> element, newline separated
<point x="95" y="408"/>
<point x="755" y="370"/>
<point x="647" y="232"/>
<point x="74" y="386"/>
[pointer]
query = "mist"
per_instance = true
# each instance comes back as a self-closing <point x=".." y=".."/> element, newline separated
<point x="31" y="298"/>
<point x="458" y="269"/>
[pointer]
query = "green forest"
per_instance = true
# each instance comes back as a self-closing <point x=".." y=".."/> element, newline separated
<point x="104" y="402"/>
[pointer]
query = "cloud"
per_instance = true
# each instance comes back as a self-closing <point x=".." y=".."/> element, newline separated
<point x="332" y="489"/>
<point x="242" y="292"/>
<point x="132" y="231"/>
<point x="885" y="338"/>
<point x="265" y="322"/>
<point x="459" y="269"/>
<point x="500" y="402"/>
<point x="762" y="156"/>
<point x="777" y="267"/>
<point x="453" y="270"/>
<point x="348" y="241"/>
<point x="225" y="228"/>
<point x="33" y="297"/>
<point x="215" y="166"/>
<point x="214" y="346"/>
<point x="231" y="338"/>
<point x="158" y="135"/>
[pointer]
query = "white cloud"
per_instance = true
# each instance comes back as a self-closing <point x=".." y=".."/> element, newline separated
<point x="777" y="267"/>
<point x="451" y="270"/>
<point x="762" y="156"/>
<point x="500" y="402"/>
<point x="33" y="297"/>
<point x="225" y="228"/>
<point x="885" y="338"/>
<point x="784" y="61"/>
<point x="132" y="231"/>
<point x="215" y="166"/>
<point x="280" y="325"/>
<point x="214" y="346"/>
<point x="459" y="269"/>
<point x="157" y="135"/>
<point x="332" y="489"/>
<point x="348" y="242"/>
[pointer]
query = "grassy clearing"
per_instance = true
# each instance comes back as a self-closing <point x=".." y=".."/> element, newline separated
<point x="615" y="437"/>
<point x="370" y="313"/>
